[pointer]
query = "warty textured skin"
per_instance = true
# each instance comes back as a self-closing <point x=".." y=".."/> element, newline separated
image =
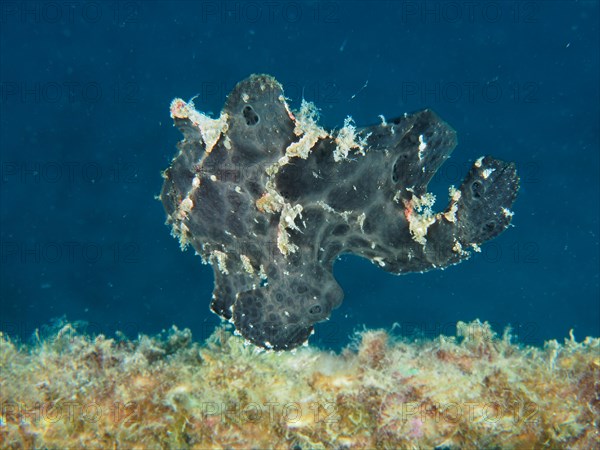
<point x="270" y="199"/>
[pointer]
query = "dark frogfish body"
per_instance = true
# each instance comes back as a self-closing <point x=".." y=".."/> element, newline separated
<point x="271" y="199"/>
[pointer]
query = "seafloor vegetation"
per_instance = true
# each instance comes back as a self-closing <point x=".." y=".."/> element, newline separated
<point x="474" y="390"/>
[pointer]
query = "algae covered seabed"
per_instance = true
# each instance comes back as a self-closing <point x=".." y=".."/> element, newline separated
<point x="472" y="390"/>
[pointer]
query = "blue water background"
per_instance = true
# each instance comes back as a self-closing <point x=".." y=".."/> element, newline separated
<point x="85" y="132"/>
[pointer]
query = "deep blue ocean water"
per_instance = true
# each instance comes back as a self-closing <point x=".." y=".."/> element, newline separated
<point x="85" y="132"/>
